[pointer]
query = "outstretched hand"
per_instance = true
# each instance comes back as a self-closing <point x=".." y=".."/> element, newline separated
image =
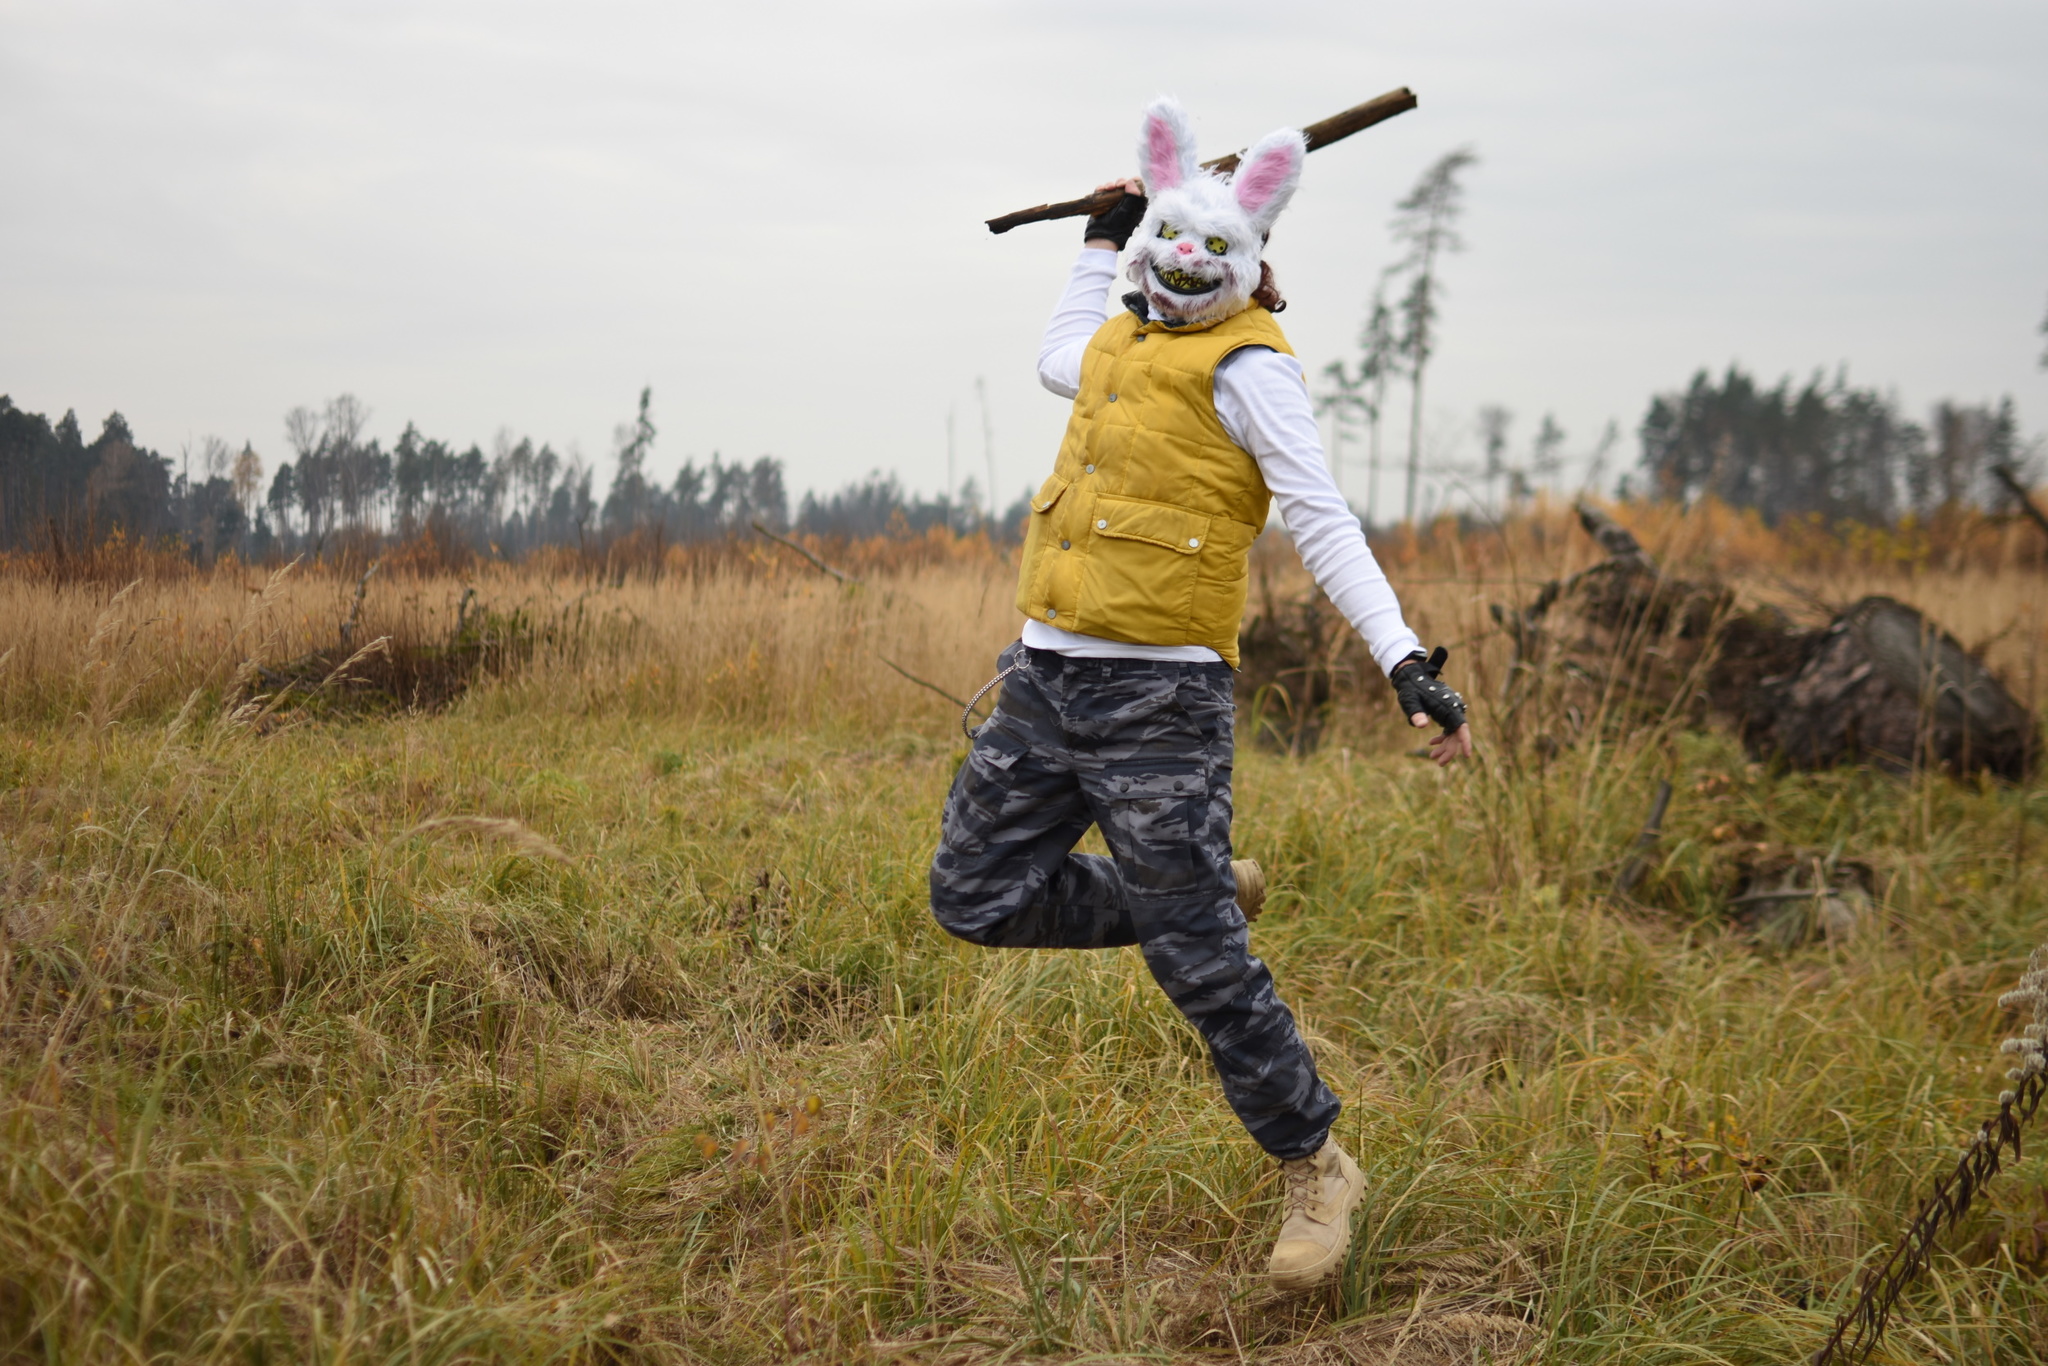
<point x="1449" y="747"/>
<point x="1425" y="697"/>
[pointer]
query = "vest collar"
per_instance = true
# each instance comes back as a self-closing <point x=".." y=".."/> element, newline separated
<point x="1135" y="302"/>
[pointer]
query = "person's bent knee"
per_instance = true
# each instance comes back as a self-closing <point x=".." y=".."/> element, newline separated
<point x="961" y="915"/>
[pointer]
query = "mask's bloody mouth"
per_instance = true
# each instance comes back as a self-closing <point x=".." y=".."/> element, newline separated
<point x="1183" y="282"/>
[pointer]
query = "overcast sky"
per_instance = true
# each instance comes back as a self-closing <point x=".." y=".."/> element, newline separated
<point x="479" y="216"/>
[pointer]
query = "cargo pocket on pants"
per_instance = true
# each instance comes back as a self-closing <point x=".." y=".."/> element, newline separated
<point x="980" y="804"/>
<point x="1154" y="819"/>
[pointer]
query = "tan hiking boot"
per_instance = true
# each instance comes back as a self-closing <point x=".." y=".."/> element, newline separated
<point x="1322" y="1191"/>
<point x="1251" y="886"/>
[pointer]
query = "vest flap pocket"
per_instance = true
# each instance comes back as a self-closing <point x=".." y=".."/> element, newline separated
<point x="1048" y="493"/>
<point x="1161" y="524"/>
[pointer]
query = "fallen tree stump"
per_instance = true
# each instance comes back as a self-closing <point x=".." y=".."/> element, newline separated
<point x="1293" y="653"/>
<point x="1884" y="685"/>
<point x="1879" y="684"/>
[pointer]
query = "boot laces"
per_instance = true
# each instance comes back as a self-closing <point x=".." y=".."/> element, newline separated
<point x="1304" y="1183"/>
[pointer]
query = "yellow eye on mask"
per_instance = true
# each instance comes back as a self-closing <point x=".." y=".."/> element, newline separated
<point x="1217" y="246"/>
<point x="1168" y="231"/>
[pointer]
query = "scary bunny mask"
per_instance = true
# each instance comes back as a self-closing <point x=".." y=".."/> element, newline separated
<point x="1195" y="256"/>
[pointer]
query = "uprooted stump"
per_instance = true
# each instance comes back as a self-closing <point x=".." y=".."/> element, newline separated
<point x="1293" y="654"/>
<point x="1880" y="684"/>
<point x="1884" y="685"/>
<point x="1623" y="641"/>
<point x="412" y="677"/>
<point x="388" y="674"/>
<point x="1788" y="897"/>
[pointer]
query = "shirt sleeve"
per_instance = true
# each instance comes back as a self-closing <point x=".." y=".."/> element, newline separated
<point x="1079" y="317"/>
<point x="1262" y="399"/>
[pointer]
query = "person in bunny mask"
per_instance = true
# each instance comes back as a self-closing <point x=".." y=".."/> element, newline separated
<point x="1191" y="416"/>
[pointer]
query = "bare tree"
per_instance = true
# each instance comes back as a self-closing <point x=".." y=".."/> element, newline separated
<point x="1426" y="222"/>
<point x="1596" y="463"/>
<point x="951" y="475"/>
<point x="248" y="479"/>
<point x="988" y="443"/>
<point x="1342" y="401"/>
<point x="1378" y="364"/>
<point x="308" y="484"/>
<point x="632" y="496"/>
<point x="213" y="456"/>
<point x="1364" y="394"/>
<point x="302" y="431"/>
<point x="353" y="464"/>
<point x="1494" y="421"/>
<point x="1546" y="459"/>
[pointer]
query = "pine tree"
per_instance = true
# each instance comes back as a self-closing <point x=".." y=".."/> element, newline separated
<point x="631" y="498"/>
<point x="1364" y="394"/>
<point x="1427" y="223"/>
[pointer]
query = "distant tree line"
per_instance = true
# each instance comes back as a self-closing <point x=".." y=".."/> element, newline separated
<point x="59" y="491"/>
<point x="1826" y="449"/>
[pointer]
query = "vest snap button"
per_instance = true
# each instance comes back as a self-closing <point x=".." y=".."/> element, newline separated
<point x="1112" y="398"/>
<point x="1102" y="525"/>
<point x="1088" y="469"/>
<point x="1066" y="545"/>
<point x="1195" y="542"/>
<point x="1051" y="612"/>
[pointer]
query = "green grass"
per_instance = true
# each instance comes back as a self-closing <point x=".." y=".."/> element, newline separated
<point x="291" y="1079"/>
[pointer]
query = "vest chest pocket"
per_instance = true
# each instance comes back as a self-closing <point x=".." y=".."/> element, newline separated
<point x="1171" y="528"/>
<point x="1143" y="569"/>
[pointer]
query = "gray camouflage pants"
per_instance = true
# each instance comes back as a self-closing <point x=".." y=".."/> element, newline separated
<point x="1142" y="750"/>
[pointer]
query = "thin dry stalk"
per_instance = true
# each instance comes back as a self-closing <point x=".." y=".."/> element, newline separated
<point x="380" y="646"/>
<point x="514" y="833"/>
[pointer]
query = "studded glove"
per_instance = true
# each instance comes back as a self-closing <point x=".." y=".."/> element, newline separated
<point x="1420" y="690"/>
<point x="1118" y="222"/>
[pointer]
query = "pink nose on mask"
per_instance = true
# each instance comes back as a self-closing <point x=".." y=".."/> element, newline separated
<point x="1187" y="248"/>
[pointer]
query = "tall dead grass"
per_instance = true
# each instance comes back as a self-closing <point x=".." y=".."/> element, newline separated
<point x="745" y="631"/>
<point x="601" y="1019"/>
<point x="735" y="641"/>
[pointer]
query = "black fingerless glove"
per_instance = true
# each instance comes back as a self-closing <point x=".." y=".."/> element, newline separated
<point x="1420" y="690"/>
<point x="1118" y="222"/>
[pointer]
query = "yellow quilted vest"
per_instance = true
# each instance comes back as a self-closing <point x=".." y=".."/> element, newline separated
<point x="1142" y="532"/>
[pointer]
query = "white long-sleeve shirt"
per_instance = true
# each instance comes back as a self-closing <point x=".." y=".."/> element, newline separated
<point x="1262" y="400"/>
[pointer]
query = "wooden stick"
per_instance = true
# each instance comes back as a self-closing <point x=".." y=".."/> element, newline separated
<point x="1796" y="894"/>
<point x="922" y="682"/>
<point x="815" y="561"/>
<point x="1652" y="828"/>
<point x="2010" y="477"/>
<point x="1320" y="134"/>
<point x="348" y="628"/>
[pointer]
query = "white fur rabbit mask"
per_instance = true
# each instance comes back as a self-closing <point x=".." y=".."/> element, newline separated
<point x="1195" y="256"/>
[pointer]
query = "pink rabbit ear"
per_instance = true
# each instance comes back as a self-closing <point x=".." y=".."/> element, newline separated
<point x="1166" y="146"/>
<point x="1267" y="175"/>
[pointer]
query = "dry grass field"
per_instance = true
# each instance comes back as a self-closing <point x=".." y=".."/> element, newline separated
<point x="597" y="1016"/>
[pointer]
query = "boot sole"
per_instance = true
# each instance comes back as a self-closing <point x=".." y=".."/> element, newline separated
<point x="1309" y="1277"/>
